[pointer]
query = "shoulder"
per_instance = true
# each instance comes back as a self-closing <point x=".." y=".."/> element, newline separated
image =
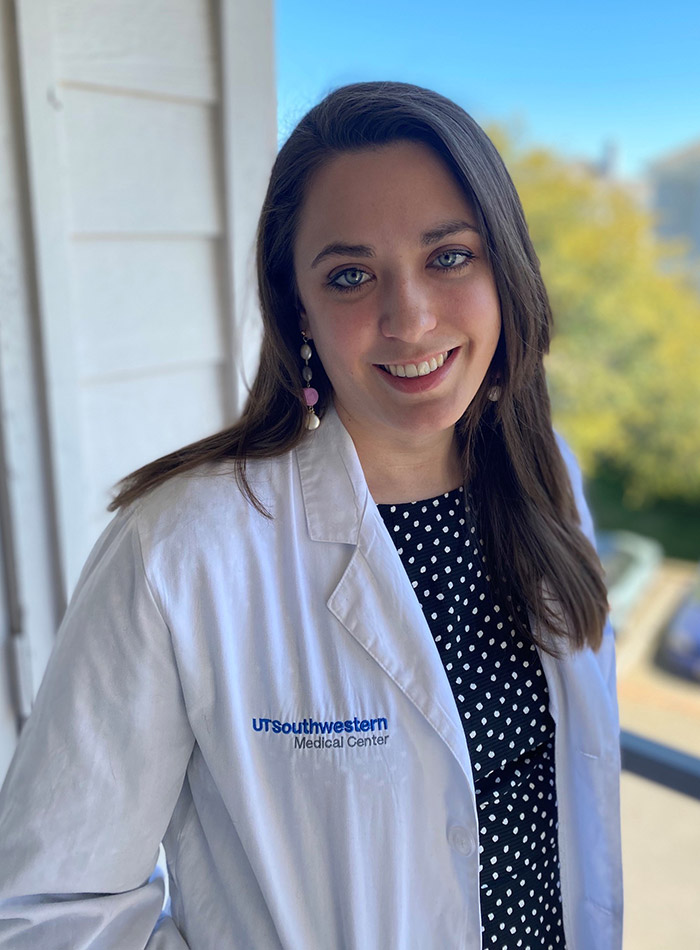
<point x="207" y="505"/>
<point x="606" y="652"/>
<point x="570" y="461"/>
<point x="576" y="479"/>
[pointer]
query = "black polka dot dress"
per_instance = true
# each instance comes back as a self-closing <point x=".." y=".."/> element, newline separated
<point x="501" y="694"/>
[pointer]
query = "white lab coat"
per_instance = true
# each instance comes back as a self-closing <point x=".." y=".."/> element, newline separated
<point x="195" y="621"/>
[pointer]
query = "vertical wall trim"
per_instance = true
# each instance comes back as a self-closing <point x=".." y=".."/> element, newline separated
<point x="31" y="593"/>
<point x="249" y="141"/>
<point x="41" y="112"/>
<point x="17" y="655"/>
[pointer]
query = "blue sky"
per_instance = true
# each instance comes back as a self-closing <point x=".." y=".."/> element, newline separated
<point x="568" y="75"/>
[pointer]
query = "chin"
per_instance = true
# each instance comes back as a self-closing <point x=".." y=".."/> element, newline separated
<point x="427" y="420"/>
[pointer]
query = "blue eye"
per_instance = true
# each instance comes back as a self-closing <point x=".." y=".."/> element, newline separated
<point x="452" y="260"/>
<point x="349" y="279"/>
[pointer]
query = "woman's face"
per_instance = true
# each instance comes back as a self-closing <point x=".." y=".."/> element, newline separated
<point x="396" y="291"/>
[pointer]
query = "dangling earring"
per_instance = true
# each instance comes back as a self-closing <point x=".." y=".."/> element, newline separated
<point x="310" y="395"/>
<point x="494" y="393"/>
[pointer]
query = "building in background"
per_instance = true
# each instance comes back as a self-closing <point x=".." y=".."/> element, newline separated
<point x="674" y="197"/>
<point x="136" y="140"/>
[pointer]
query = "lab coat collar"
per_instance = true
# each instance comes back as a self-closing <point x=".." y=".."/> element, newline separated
<point x="374" y="599"/>
<point x="332" y="482"/>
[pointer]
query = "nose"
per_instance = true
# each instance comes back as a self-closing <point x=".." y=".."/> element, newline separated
<point x="407" y="313"/>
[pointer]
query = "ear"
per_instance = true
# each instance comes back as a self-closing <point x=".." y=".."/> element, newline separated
<point x="303" y="322"/>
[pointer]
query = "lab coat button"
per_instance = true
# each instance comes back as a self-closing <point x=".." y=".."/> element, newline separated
<point x="460" y="839"/>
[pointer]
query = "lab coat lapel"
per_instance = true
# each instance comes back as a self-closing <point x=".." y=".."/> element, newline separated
<point x="374" y="599"/>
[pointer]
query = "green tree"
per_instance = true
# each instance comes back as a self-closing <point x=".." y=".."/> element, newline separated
<point x="624" y="371"/>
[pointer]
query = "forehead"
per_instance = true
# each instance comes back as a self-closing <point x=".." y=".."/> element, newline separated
<point x="364" y="195"/>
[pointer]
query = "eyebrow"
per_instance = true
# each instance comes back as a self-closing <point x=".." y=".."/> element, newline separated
<point x="445" y="230"/>
<point x="428" y="238"/>
<point x="343" y="250"/>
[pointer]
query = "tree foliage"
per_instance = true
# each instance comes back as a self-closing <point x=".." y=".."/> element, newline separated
<point x="624" y="371"/>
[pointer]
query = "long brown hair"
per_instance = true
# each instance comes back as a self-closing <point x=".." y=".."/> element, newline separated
<point x="512" y="466"/>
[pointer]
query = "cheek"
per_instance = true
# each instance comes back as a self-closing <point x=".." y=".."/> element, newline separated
<point x="340" y="332"/>
<point x="480" y="312"/>
<point x="332" y="345"/>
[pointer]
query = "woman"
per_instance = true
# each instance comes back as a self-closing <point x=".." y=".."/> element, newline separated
<point x="345" y="659"/>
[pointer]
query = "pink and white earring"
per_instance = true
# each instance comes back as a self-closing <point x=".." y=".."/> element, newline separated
<point x="310" y="395"/>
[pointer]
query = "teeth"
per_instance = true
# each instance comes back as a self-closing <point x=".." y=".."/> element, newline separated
<point x="411" y="370"/>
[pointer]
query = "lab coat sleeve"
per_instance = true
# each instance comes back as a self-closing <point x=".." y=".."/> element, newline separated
<point x="606" y="652"/>
<point x="97" y="771"/>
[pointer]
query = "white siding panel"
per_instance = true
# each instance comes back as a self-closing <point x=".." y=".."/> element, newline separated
<point x="159" y="46"/>
<point x="147" y="304"/>
<point x="47" y="175"/>
<point x="145" y="418"/>
<point x="140" y="165"/>
<point x="142" y="229"/>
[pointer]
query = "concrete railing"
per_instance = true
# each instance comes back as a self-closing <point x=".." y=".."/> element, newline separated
<point x="660" y="763"/>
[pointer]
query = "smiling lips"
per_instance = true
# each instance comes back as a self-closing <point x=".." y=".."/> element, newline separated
<point x="411" y="370"/>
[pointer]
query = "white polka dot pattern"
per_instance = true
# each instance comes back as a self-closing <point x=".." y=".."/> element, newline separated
<point x="502" y="697"/>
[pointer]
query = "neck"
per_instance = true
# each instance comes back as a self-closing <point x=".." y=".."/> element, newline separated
<point x="404" y="469"/>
